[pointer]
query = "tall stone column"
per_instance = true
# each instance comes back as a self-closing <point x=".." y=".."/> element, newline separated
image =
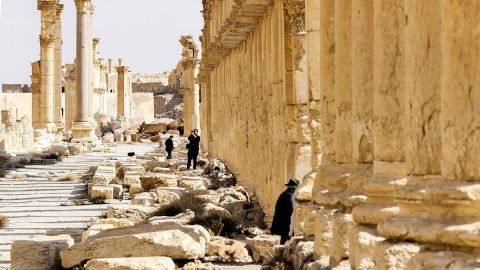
<point x="36" y="95"/>
<point x="58" y="68"/>
<point x="189" y="88"/>
<point x="83" y="130"/>
<point x="47" y="63"/>
<point x="121" y="94"/>
<point x="299" y="151"/>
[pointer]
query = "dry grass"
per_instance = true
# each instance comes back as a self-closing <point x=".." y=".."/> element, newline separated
<point x="99" y="200"/>
<point x="187" y="201"/>
<point x="16" y="176"/>
<point x="68" y="178"/>
<point x="3" y="222"/>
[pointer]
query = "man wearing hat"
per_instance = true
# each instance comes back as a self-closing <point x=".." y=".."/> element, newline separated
<point x="283" y="211"/>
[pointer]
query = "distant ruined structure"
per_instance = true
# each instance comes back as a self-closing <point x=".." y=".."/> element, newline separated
<point x="372" y="104"/>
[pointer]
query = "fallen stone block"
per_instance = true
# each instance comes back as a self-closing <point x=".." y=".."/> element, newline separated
<point x="192" y="183"/>
<point x="102" y="192"/>
<point x="95" y="229"/>
<point x="131" y="178"/>
<point x="170" y="240"/>
<point x="144" y="198"/>
<point x="139" y="263"/>
<point x="135" y="189"/>
<point x="263" y="247"/>
<point x="117" y="192"/>
<point x="159" y="180"/>
<point x="39" y="253"/>
<point x="211" y="209"/>
<point x="224" y="250"/>
<point x="115" y="222"/>
<point x="135" y="213"/>
<point x="168" y="195"/>
<point x="182" y="218"/>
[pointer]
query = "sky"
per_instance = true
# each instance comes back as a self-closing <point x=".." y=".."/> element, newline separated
<point x="144" y="33"/>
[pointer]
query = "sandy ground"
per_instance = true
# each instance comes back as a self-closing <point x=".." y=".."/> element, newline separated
<point x="34" y="204"/>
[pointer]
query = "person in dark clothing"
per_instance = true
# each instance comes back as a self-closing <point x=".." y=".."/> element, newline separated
<point x="193" y="149"/>
<point x="169" y="147"/>
<point x="283" y="211"/>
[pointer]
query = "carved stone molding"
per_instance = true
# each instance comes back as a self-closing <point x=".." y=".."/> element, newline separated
<point x="85" y="6"/>
<point x="59" y="10"/>
<point x="35" y="88"/>
<point x="295" y="10"/>
<point x="47" y="4"/>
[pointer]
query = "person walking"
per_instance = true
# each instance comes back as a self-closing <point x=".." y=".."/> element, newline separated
<point x="169" y="147"/>
<point x="282" y="217"/>
<point x="193" y="149"/>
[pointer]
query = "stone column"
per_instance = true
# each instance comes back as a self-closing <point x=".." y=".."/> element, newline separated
<point x="121" y="95"/>
<point x="47" y="63"/>
<point x="70" y="96"/>
<point x="83" y="130"/>
<point x="299" y="153"/>
<point x="190" y="91"/>
<point x="36" y="95"/>
<point x="58" y="68"/>
<point x="326" y="84"/>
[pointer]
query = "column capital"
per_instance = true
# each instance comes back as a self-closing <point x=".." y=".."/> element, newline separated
<point x="85" y="6"/>
<point x="295" y="11"/>
<point x="47" y="39"/>
<point x="47" y="4"/>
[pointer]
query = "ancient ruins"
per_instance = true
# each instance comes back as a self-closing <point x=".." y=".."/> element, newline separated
<point x="372" y="105"/>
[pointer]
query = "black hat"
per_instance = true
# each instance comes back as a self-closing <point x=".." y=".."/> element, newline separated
<point x="293" y="183"/>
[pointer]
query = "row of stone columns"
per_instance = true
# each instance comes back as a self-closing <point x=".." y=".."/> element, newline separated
<point x="392" y="100"/>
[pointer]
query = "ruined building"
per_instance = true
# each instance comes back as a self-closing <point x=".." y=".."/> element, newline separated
<point x="372" y="104"/>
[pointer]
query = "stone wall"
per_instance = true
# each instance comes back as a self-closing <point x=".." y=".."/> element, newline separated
<point x="390" y="117"/>
<point x="142" y="108"/>
<point x="20" y="104"/>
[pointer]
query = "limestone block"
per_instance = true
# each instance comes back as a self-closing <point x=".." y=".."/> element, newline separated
<point x="443" y="260"/>
<point x="182" y="218"/>
<point x="134" y="213"/>
<point x="108" y="138"/>
<point x="224" y="250"/>
<point x="77" y="149"/>
<point x="170" y="240"/>
<point x="363" y="241"/>
<point x="136" y="137"/>
<point x="102" y="192"/>
<point x="117" y="192"/>
<point x="131" y="178"/>
<point x="323" y="232"/>
<point x="135" y="189"/>
<point x="310" y="221"/>
<point x="39" y="253"/>
<point x="212" y="209"/>
<point x="159" y="180"/>
<point x="145" y="199"/>
<point x="262" y="247"/>
<point x="191" y="183"/>
<point x="391" y="256"/>
<point x="140" y="263"/>
<point x="374" y="213"/>
<point x="61" y="150"/>
<point x="95" y="229"/>
<point x="339" y="244"/>
<point x="304" y="191"/>
<point x="134" y="169"/>
<point x="115" y="222"/>
<point x="118" y="137"/>
<point x="157" y="126"/>
<point x="168" y="195"/>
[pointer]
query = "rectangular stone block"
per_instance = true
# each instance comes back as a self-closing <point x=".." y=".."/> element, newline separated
<point x="102" y="192"/>
<point x="363" y="240"/>
<point x="39" y="253"/>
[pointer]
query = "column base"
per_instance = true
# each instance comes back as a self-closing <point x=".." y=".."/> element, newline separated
<point x="83" y="132"/>
<point x="60" y="126"/>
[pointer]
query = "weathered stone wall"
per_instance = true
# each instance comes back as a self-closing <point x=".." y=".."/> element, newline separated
<point x="20" y="104"/>
<point x="142" y="108"/>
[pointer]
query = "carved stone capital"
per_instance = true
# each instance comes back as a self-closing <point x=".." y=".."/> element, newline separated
<point x="47" y="4"/>
<point x="85" y="6"/>
<point x="295" y="10"/>
<point x="47" y="40"/>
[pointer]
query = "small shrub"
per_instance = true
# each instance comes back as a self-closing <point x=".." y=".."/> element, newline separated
<point x="3" y="222"/>
<point x="187" y="201"/>
<point x="68" y="178"/>
<point x="218" y="225"/>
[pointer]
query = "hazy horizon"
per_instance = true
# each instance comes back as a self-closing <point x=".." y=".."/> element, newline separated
<point x="144" y="33"/>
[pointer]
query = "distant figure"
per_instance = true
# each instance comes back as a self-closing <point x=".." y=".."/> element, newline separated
<point x="283" y="212"/>
<point x="193" y="147"/>
<point x="169" y="147"/>
<point x="181" y="131"/>
<point x="131" y="154"/>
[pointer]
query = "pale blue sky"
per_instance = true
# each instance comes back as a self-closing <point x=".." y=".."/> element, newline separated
<point x="144" y="33"/>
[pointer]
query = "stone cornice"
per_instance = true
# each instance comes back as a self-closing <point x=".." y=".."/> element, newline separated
<point x="241" y="20"/>
<point x="47" y="4"/>
<point x="85" y="6"/>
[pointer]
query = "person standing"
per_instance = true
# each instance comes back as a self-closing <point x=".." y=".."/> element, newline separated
<point x="169" y="147"/>
<point x="282" y="217"/>
<point x="193" y="149"/>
